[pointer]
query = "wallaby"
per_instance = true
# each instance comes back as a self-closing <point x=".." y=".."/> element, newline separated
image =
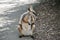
<point x="27" y="22"/>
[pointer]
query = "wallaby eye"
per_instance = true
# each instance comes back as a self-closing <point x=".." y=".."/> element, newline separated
<point x="28" y="9"/>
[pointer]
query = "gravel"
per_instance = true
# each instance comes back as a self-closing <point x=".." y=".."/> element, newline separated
<point x="48" y="22"/>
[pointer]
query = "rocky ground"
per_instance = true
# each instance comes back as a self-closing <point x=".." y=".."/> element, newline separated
<point x="48" y="22"/>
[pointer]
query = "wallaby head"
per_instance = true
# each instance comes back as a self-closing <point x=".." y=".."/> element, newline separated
<point x="30" y="9"/>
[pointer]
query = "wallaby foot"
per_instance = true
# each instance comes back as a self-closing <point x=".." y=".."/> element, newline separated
<point x="21" y="36"/>
<point x="32" y="37"/>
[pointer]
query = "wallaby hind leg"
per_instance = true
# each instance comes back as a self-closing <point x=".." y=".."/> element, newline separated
<point x="20" y="31"/>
